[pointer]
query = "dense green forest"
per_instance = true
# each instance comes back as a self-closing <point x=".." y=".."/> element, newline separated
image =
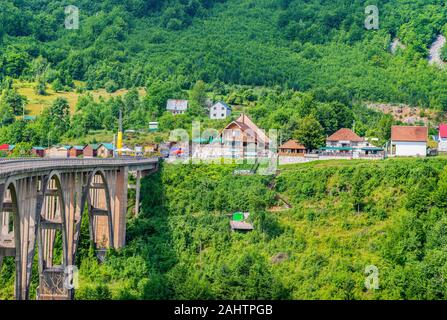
<point x="318" y="44"/>
<point x="345" y="216"/>
<point x="272" y="57"/>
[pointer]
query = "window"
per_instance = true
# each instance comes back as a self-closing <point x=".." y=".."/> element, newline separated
<point x="222" y="115"/>
<point x="214" y="115"/>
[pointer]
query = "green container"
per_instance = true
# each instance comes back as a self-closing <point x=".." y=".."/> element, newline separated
<point x="238" y="216"/>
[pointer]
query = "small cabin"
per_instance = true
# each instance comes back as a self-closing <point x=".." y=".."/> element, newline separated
<point x="177" y="106"/>
<point x="76" y="151"/>
<point x="292" y="148"/>
<point x="239" y="222"/>
<point x="220" y="111"/>
<point x="58" y="152"/>
<point x="38" y="152"/>
<point x="106" y="150"/>
<point x="91" y="151"/>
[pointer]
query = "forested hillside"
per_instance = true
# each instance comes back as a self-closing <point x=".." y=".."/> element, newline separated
<point x="345" y="216"/>
<point x="318" y="45"/>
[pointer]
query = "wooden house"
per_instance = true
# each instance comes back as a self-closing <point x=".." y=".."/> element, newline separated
<point x="105" y="150"/>
<point x="58" y="152"/>
<point x="38" y="152"/>
<point x="292" y="148"/>
<point x="76" y="151"/>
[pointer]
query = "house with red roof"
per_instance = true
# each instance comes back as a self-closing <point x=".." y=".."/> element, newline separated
<point x="409" y="141"/>
<point x="241" y="138"/>
<point x="292" y="148"/>
<point x="442" y="139"/>
<point x="4" y="150"/>
<point x="346" y="143"/>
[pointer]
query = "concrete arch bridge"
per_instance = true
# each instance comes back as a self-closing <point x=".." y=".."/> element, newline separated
<point x="42" y="202"/>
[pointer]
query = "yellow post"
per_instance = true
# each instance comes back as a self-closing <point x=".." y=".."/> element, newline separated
<point x="119" y="142"/>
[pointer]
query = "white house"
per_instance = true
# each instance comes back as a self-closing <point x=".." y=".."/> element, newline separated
<point x="408" y="141"/>
<point x="176" y="106"/>
<point x="442" y="139"/>
<point x="220" y="110"/>
<point x="346" y="143"/>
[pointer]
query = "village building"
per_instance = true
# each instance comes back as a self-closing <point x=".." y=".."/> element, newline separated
<point x="292" y="148"/>
<point x="38" y="152"/>
<point x="153" y="126"/>
<point x="176" y="106"/>
<point x="105" y="150"/>
<point x="442" y="138"/>
<point x="220" y="111"/>
<point x="150" y="148"/>
<point x="58" y="152"/>
<point x="76" y="151"/>
<point x="91" y="150"/>
<point x="240" y="139"/>
<point x="346" y="143"/>
<point x="408" y="141"/>
<point x="4" y="150"/>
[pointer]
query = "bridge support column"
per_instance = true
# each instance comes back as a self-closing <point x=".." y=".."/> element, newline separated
<point x="137" y="194"/>
<point x="119" y="206"/>
<point x="26" y="233"/>
<point x="72" y="189"/>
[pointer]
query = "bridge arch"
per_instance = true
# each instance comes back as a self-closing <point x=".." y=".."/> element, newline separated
<point x="52" y="238"/>
<point x="10" y="230"/>
<point x="97" y="197"/>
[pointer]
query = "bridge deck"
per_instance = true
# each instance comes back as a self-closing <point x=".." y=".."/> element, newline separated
<point x="18" y="166"/>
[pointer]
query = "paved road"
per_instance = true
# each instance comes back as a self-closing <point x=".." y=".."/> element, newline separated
<point x="16" y="166"/>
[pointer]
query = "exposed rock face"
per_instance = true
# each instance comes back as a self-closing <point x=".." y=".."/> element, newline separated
<point x="395" y="45"/>
<point x="435" y="51"/>
<point x="280" y="257"/>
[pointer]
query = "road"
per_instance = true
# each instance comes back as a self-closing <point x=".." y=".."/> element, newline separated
<point x="15" y="166"/>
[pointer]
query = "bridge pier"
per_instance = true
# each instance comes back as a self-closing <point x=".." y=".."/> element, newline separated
<point x="43" y="208"/>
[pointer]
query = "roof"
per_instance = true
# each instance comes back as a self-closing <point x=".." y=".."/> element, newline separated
<point x="175" y="104"/>
<point x="239" y="225"/>
<point x="409" y="133"/>
<point x="12" y="147"/>
<point x="108" y="146"/>
<point x="345" y="135"/>
<point x="38" y="148"/>
<point x="223" y="104"/>
<point x="4" y="147"/>
<point x="443" y="130"/>
<point x="61" y="147"/>
<point x="94" y="146"/>
<point x="292" y="144"/>
<point x="29" y="118"/>
<point x="245" y="123"/>
<point x="79" y="148"/>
